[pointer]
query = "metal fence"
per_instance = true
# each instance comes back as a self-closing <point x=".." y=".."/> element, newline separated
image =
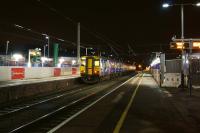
<point x="173" y="66"/>
<point x="42" y="62"/>
<point x="195" y="71"/>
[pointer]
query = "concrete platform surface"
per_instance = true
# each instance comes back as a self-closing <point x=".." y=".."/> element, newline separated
<point x="32" y="81"/>
<point x="139" y="106"/>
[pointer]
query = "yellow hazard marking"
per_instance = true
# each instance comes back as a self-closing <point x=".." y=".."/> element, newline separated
<point x="124" y="114"/>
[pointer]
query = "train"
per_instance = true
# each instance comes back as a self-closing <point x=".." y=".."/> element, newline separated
<point x="96" y="68"/>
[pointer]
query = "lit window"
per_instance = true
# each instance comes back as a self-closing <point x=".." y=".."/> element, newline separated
<point x="96" y="63"/>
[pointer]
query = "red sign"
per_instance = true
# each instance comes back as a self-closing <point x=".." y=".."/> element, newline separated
<point x="57" y="72"/>
<point x="74" y="71"/>
<point x="17" y="73"/>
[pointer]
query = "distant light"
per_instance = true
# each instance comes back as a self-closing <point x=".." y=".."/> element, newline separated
<point x="59" y="65"/>
<point x="29" y="64"/>
<point x="165" y="5"/>
<point x="134" y="67"/>
<point x="198" y="4"/>
<point x="196" y="44"/>
<point x="180" y="45"/>
<point x="19" y="26"/>
<point x="47" y="37"/>
<point x="44" y="59"/>
<point x="17" y="57"/>
<point x="61" y="60"/>
<point x="73" y="62"/>
<point x="187" y="62"/>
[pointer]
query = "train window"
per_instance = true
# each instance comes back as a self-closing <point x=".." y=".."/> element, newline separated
<point x="83" y="63"/>
<point x="96" y="63"/>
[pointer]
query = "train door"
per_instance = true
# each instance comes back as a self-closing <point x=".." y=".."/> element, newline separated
<point x="89" y="65"/>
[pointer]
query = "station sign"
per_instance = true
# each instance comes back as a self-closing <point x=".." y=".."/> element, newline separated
<point x="196" y="45"/>
<point x="179" y="45"/>
<point x="185" y="44"/>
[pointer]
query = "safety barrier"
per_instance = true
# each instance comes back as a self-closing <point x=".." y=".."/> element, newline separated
<point x="171" y="80"/>
<point x="13" y="73"/>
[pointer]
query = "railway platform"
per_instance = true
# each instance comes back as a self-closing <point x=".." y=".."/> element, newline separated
<point x="14" y="90"/>
<point x="35" y="80"/>
<point x="138" y="105"/>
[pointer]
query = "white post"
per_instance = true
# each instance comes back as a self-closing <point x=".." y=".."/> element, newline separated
<point x="7" y="43"/>
<point x="44" y="50"/>
<point x="78" y="44"/>
<point x="48" y="46"/>
<point x="29" y="58"/>
<point x="182" y="21"/>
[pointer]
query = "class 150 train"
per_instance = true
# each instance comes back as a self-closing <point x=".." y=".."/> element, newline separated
<point x="96" y="68"/>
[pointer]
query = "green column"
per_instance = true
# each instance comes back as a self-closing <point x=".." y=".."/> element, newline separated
<point x="55" y="54"/>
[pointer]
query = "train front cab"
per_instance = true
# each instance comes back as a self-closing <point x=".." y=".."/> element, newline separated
<point x="90" y="69"/>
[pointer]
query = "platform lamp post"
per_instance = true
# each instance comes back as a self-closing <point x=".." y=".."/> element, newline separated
<point x="86" y="51"/>
<point x="47" y="37"/>
<point x="7" y="45"/>
<point x="167" y="5"/>
<point x="78" y="42"/>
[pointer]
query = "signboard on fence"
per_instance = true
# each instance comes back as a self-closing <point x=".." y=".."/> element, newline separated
<point x="17" y="73"/>
<point x="57" y="72"/>
<point x="74" y="71"/>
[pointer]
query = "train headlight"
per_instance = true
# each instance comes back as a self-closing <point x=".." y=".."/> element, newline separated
<point x="96" y="72"/>
<point x="83" y="71"/>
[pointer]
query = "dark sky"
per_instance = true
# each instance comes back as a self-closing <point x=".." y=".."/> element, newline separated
<point x="143" y="24"/>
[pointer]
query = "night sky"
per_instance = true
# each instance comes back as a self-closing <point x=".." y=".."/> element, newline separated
<point x="143" y="24"/>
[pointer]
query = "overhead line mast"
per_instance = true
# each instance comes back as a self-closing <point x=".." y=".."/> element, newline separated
<point x="82" y="27"/>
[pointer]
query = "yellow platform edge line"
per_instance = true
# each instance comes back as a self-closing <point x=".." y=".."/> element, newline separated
<point x="124" y="114"/>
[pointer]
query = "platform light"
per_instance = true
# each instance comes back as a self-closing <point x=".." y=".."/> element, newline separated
<point x="73" y="62"/>
<point x="155" y="62"/>
<point x="61" y="60"/>
<point x="165" y="5"/>
<point x="198" y="4"/>
<point x="17" y="57"/>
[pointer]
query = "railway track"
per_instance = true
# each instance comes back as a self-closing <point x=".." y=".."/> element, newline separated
<point x="42" y="116"/>
<point x="20" y="107"/>
<point x="54" y="120"/>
